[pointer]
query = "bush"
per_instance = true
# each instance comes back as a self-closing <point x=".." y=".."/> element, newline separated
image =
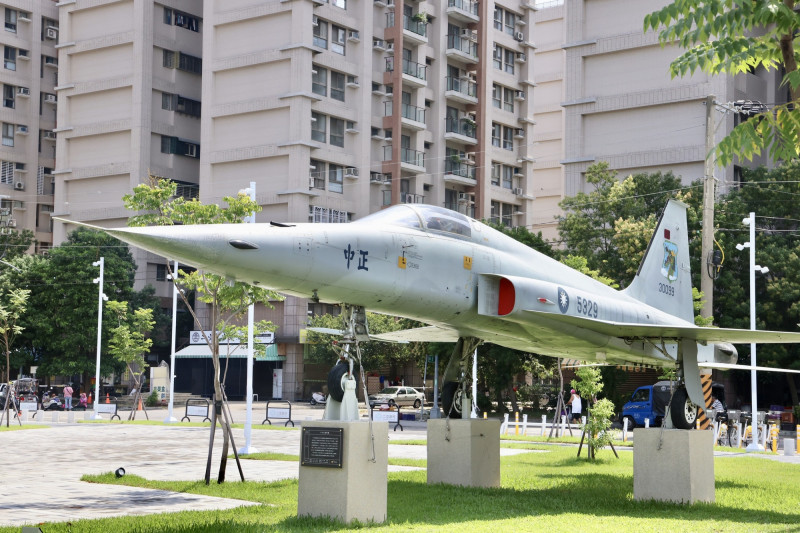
<point x="484" y="404"/>
<point x="152" y="400"/>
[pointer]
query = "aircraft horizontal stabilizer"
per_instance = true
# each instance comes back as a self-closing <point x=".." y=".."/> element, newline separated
<point x="426" y="334"/>
<point x="656" y="331"/>
<point x="326" y="331"/>
<point x="731" y="366"/>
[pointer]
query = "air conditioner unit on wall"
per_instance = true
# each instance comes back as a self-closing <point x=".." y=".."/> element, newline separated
<point x="19" y="185"/>
<point x="518" y="191"/>
<point x="50" y="135"/>
<point x="22" y="129"/>
<point x="23" y="91"/>
<point x="518" y="35"/>
<point x="51" y="33"/>
<point x="350" y="172"/>
<point x="50" y="98"/>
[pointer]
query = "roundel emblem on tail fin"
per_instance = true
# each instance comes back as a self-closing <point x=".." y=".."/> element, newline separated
<point x="563" y="300"/>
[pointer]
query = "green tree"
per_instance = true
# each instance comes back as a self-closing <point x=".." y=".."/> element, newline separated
<point x="611" y="225"/>
<point x="129" y="341"/>
<point x="589" y="384"/>
<point x="63" y="292"/>
<point x="12" y="306"/>
<point x="499" y="369"/>
<point x="156" y="203"/>
<point x="732" y="36"/>
<point x="14" y="243"/>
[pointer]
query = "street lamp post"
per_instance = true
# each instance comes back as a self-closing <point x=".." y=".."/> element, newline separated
<point x="170" y="417"/>
<point x="100" y="298"/>
<point x="248" y="422"/>
<point x="751" y="244"/>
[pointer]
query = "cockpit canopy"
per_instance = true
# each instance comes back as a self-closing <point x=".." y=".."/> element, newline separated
<point x="422" y="216"/>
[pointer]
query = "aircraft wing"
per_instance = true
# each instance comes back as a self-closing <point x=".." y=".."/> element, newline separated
<point x="729" y="366"/>
<point x="657" y="331"/>
<point x="426" y="334"/>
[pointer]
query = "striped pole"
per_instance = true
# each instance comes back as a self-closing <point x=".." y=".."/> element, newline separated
<point x="702" y="420"/>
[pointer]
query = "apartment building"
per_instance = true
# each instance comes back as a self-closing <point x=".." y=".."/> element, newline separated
<point x="28" y="116"/>
<point x="622" y="106"/>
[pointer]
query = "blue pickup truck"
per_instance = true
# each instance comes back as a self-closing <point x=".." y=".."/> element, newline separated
<point x="650" y="402"/>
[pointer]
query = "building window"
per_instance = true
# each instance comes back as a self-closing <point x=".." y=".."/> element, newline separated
<point x="189" y="63"/>
<point x="319" y="125"/>
<point x="508" y="175"/>
<point x="185" y="20"/>
<point x="337" y="85"/>
<point x="497" y="57"/>
<point x="497" y="132"/>
<point x="169" y="59"/>
<point x="335" y="178"/>
<point x="498" y="18"/>
<point x="11" y="20"/>
<point x="508" y="99"/>
<point x="337" y="132"/>
<point x="511" y="21"/>
<point x="496" y="172"/>
<point x="161" y="272"/>
<point x="8" y="134"/>
<point x="497" y="95"/>
<point x="7" y="172"/>
<point x="175" y="145"/>
<point x="505" y="20"/>
<point x="10" y="58"/>
<point x="319" y="80"/>
<point x="167" y="15"/>
<point x="510" y="57"/>
<point x="319" y="214"/>
<point x="8" y="96"/>
<point x="508" y="138"/>
<point x="341" y="4"/>
<point x="318" y="172"/>
<point x="338" y="37"/>
<point x="187" y="106"/>
<point x="168" y="101"/>
<point x="321" y="33"/>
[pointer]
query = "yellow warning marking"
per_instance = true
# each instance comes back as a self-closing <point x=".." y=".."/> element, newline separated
<point x="401" y="262"/>
<point x="467" y="262"/>
<point x="705" y="382"/>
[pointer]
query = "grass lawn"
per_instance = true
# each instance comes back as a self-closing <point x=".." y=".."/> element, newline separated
<point x="17" y="427"/>
<point x="155" y="422"/>
<point x="549" y="492"/>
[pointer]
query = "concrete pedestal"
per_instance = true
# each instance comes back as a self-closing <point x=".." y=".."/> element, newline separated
<point x="467" y="454"/>
<point x="681" y="471"/>
<point x="357" y="491"/>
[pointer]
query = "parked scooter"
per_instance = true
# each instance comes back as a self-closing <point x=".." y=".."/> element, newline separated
<point x="317" y="398"/>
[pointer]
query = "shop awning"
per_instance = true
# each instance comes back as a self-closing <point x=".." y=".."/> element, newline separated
<point x="236" y="351"/>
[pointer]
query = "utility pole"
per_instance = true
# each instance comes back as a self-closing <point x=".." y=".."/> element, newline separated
<point x="709" y="195"/>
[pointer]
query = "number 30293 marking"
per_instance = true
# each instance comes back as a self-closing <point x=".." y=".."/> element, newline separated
<point x="669" y="290"/>
<point x="587" y="307"/>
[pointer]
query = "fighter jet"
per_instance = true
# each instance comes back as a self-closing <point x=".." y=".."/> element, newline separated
<point x="474" y="284"/>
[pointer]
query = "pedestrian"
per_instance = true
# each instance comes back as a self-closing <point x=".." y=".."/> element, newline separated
<point x="83" y="401"/>
<point x="68" y="397"/>
<point x="716" y="404"/>
<point x="576" y="405"/>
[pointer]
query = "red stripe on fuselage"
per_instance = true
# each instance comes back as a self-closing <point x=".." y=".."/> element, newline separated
<point x="507" y="297"/>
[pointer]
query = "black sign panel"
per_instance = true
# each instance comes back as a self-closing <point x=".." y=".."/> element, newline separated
<point x="322" y="447"/>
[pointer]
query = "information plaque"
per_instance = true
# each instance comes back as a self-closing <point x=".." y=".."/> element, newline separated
<point x="322" y="447"/>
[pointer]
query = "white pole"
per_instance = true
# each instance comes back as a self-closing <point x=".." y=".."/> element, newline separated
<point x="248" y="421"/>
<point x="99" y="281"/>
<point x="754" y="445"/>
<point x="170" y="417"/>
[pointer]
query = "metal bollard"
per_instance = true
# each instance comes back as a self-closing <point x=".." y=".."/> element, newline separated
<point x="524" y="425"/>
<point x="484" y="415"/>
<point x="516" y="423"/>
<point x="544" y="423"/>
<point x="773" y="432"/>
<point x="646" y="423"/>
<point x="625" y="429"/>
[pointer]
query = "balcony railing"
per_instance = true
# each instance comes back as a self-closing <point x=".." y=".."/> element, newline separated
<point x="461" y="126"/>
<point x="411" y="112"/>
<point x="459" y="169"/>
<point x="466" y="6"/>
<point x="408" y="198"/>
<point x="463" y="44"/>
<point x="461" y="208"/>
<point x="420" y="28"/>
<point x="466" y="87"/>
<point x="407" y="155"/>
<point x="411" y="68"/>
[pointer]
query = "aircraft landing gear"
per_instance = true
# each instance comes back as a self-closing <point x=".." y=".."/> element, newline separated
<point x="343" y="402"/>
<point x="456" y="398"/>
<point x="688" y="396"/>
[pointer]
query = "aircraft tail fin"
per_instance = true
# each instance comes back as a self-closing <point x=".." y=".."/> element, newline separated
<point x="664" y="278"/>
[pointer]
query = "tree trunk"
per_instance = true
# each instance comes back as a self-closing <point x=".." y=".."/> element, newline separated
<point x="513" y="395"/>
<point x="792" y="387"/>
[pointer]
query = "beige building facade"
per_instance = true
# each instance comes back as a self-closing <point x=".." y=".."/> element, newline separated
<point x="28" y="116"/>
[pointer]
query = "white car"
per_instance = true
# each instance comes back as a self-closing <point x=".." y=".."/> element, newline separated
<point x="398" y="396"/>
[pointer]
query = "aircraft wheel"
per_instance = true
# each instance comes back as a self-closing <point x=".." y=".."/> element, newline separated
<point x="417" y="403"/>
<point x="682" y="410"/>
<point x="451" y="397"/>
<point x="335" y="380"/>
<point x="631" y="422"/>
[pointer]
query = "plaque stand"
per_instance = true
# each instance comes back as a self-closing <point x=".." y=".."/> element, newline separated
<point x="357" y="489"/>
<point x="464" y="452"/>
<point x="681" y="471"/>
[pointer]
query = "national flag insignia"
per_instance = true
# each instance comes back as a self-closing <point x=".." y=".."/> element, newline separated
<point x="563" y="300"/>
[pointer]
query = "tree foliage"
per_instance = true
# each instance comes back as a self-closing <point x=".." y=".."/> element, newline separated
<point x="12" y="307"/>
<point x="735" y="36"/>
<point x="129" y="341"/>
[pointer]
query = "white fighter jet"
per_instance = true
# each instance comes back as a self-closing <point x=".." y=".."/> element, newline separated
<point x="474" y="284"/>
